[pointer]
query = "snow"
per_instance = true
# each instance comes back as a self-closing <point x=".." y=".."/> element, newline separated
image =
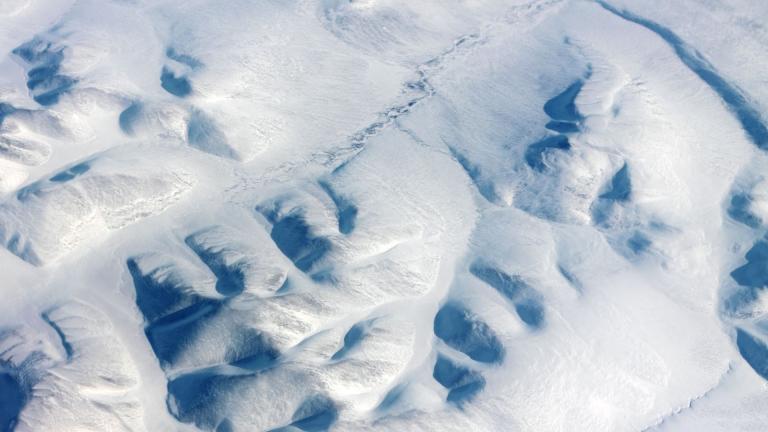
<point x="533" y="215"/>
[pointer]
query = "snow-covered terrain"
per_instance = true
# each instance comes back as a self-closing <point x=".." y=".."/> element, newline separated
<point x="384" y="215"/>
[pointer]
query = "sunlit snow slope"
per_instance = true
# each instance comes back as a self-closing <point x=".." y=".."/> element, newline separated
<point x="384" y="215"/>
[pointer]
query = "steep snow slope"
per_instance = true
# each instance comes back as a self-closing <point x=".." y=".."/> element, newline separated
<point x="533" y="215"/>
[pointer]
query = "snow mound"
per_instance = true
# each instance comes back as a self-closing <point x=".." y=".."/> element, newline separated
<point x="82" y="378"/>
<point x="47" y="219"/>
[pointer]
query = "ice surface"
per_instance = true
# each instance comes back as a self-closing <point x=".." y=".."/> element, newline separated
<point x="526" y="215"/>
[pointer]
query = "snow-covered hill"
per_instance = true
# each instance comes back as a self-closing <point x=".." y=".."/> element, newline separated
<point x="306" y="215"/>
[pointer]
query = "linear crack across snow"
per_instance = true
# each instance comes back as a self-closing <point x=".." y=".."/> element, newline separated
<point x="418" y="91"/>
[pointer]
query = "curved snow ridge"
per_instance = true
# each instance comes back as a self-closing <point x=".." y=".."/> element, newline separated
<point x="732" y="96"/>
<point x="47" y="219"/>
<point x="81" y="379"/>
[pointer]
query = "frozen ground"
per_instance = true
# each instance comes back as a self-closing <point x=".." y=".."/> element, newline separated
<point x="389" y="215"/>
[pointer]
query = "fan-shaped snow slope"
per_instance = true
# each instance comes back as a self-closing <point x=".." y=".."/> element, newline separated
<point x="383" y="215"/>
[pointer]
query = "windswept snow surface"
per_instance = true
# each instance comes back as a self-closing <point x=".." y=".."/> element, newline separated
<point x="384" y="215"/>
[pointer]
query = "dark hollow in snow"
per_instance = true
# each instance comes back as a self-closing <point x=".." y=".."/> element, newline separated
<point x="68" y="349"/>
<point x="346" y="211"/>
<point x="157" y="298"/>
<point x="617" y="191"/>
<point x="565" y="120"/>
<point x="5" y="110"/>
<point x="18" y="245"/>
<point x="171" y="334"/>
<point x="204" y="135"/>
<point x="751" y="276"/>
<point x="44" y="81"/>
<point x="352" y="339"/>
<point x="530" y="312"/>
<point x="464" y="332"/>
<point x="186" y="59"/>
<point x="462" y="383"/>
<point x="316" y="414"/>
<point x="47" y="85"/>
<point x="30" y="191"/>
<point x="754" y="351"/>
<point x="13" y="397"/>
<point x="230" y="277"/>
<point x="286" y="287"/>
<point x="177" y="86"/>
<point x="129" y="116"/>
<point x="175" y="317"/>
<point x="534" y="154"/>
<point x="294" y="237"/>
<point x="510" y="287"/>
<point x="754" y="273"/>
<point x="392" y="397"/>
<point x="485" y="187"/>
<point x="513" y="287"/>
<point x="638" y="243"/>
<point x="225" y="426"/>
<point x="196" y="397"/>
<point x="37" y="50"/>
<point x="192" y="396"/>
<point x="570" y="277"/>
<point x="739" y="210"/>
<point x="71" y="173"/>
<point x="562" y="127"/>
<point x="250" y="349"/>
<point x="562" y="107"/>
<point x="620" y="188"/>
